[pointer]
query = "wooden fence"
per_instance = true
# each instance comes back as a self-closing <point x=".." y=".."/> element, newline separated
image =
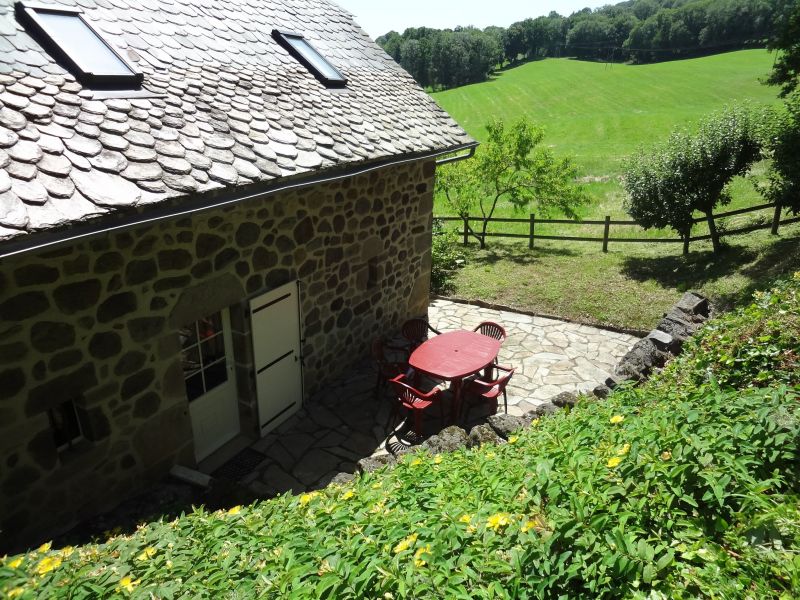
<point x="532" y="222"/>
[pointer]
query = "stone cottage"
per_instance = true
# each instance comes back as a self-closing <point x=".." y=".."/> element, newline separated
<point x="207" y="210"/>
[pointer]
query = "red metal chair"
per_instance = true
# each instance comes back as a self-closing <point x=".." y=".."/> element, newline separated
<point x="414" y="401"/>
<point x="478" y="391"/>
<point x="416" y="332"/>
<point x="492" y="330"/>
<point x="387" y="368"/>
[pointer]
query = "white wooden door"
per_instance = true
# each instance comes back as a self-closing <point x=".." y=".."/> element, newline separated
<point x="207" y="358"/>
<point x="275" y="320"/>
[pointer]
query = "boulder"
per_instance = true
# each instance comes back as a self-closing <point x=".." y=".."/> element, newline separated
<point x="601" y="391"/>
<point x="504" y="425"/>
<point x="373" y="463"/>
<point x="449" y="439"/>
<point x="639" y="362"/>
<point x="483" y="434"/>
<point x="665" y="342"/>
<point x="342" y="478"/>
<point x="565" y="399"/>
<point x="694" y="304"/>
<point x="547" y="408"/>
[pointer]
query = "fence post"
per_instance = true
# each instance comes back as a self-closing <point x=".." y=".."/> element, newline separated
<point x="605" y="233"/>
<point x="776" y="219"/>
<point x="466" y="228"/>
<point x="532" y="231"/>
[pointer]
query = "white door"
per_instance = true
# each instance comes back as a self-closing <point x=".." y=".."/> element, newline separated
<point x="207" y="357"/>
<point x="275" y="320"/>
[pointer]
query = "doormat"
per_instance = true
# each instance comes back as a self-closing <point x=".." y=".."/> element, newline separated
<point x="240" y="465"/>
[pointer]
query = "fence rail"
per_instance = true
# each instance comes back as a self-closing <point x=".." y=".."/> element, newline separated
<point x="532" y="222"/>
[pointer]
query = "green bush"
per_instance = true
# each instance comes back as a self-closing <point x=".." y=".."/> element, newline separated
<point x="680" y="491"/>
<point x="447" y="256"/>
<point x="755" y="346"/>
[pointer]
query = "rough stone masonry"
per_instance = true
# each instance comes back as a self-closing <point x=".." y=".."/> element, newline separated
<point x="96" y="322"/>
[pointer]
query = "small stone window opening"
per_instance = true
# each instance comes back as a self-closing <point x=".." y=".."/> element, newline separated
<point x="372" y="273"/>
<point x="203" y="356"/>
<point x="65" y="425"/>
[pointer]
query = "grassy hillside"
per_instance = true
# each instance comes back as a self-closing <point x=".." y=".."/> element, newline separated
<point x="600" y="113"/>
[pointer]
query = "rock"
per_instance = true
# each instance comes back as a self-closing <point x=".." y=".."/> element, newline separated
<point x="677" y="327"/>
<point x="639" y="362"/>
<point x="373" y="463"/>
<point x="665" y="342"/>
<point x="694" y="304"/>
<point x="565" y="399"/>
<point x="601" y="391"/>
<point x="449" y="439"/>
<point x="483" y="434"/>
<point x="613" y="381"/>
<point x="547" y="408"/>
<point x="342" y="478"/>
<point x="505" y="424"/>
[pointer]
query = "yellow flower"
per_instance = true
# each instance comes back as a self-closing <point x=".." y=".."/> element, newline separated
<point x="465" y="519"/>
<point x="47" y="564"/>
<point x="15" y="563"/>
<point x="147" y="553"/>
<point x="624" y="450"/>
<point x="405" y="544"/>
<point x="324" y="567"/>
<point x="497" y="521"/>
<point x="45" y="547"/>
<point x="306" y="498"/>
<point x="416" y="462"/>
<point x="437" y="459"/>
<point x="513" y="439"/>
<point x="169" y="564"/>
<point x="377" y="485"/>
<point x="418" y="560"/>
<point x="616" y="419"/>
<point x="235" y="510"/>
<point x="17" y="591"/>
<point x="666" y="455"/>
<point x="490" y="455"/>
<point x="527" y="526"/>
<point x="127" y="584"/>
<point x="613" y="461"/>
<point x="535" y="422"/>
<point x="67" y="551"/>
<point x="348" y="494"/>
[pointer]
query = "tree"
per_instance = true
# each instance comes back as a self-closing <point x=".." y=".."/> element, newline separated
<point x="783" y="141"/>
<point x="691" y="172"/>
<point x="511" y="166"/>
<point x="786" y="71"/>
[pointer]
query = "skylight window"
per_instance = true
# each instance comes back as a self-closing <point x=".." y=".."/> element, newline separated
<point x="309" y="57"/>
<point x="68" y="36"/>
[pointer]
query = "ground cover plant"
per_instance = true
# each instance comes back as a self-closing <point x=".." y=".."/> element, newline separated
<point x="665" y="491"/>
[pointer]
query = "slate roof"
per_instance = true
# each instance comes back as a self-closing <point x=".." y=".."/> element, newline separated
<point x="237" y="109"/>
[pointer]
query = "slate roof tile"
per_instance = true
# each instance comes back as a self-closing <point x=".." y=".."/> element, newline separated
<point x="234" y="108"/>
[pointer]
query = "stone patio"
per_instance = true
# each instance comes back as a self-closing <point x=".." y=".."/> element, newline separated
<point x="346" y="423"/>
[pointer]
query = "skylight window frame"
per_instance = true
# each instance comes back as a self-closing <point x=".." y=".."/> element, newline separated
<point x="281" y="36"/>
<point x="27" y="13"/>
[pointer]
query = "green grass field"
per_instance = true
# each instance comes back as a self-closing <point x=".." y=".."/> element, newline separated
<point x="600" y="114"/>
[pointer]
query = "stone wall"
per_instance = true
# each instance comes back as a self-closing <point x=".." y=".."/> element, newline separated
<point x="96" y="322"/>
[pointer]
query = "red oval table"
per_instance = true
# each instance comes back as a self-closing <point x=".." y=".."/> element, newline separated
<point x="454" y="355"/>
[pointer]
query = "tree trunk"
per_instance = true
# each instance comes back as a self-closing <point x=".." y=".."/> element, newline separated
<point x="712" y="230"/>
<point x="484" y="227"/>
<point x="686" y="237"/>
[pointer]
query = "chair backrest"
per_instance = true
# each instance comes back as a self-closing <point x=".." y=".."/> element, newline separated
<point x="415" y="331"/>
<point x="492" y="330"/>
<point x="405" y="393"/>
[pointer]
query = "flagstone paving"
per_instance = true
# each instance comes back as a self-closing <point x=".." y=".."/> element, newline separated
<point x="346" y="422"/>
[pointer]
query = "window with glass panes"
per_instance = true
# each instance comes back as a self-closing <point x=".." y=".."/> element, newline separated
<point x="203" y="356"/>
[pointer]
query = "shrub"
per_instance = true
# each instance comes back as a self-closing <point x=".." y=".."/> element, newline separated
<point x="447" y="256"/>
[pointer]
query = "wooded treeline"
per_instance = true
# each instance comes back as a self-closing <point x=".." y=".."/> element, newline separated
<point x="637" y="30"/>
